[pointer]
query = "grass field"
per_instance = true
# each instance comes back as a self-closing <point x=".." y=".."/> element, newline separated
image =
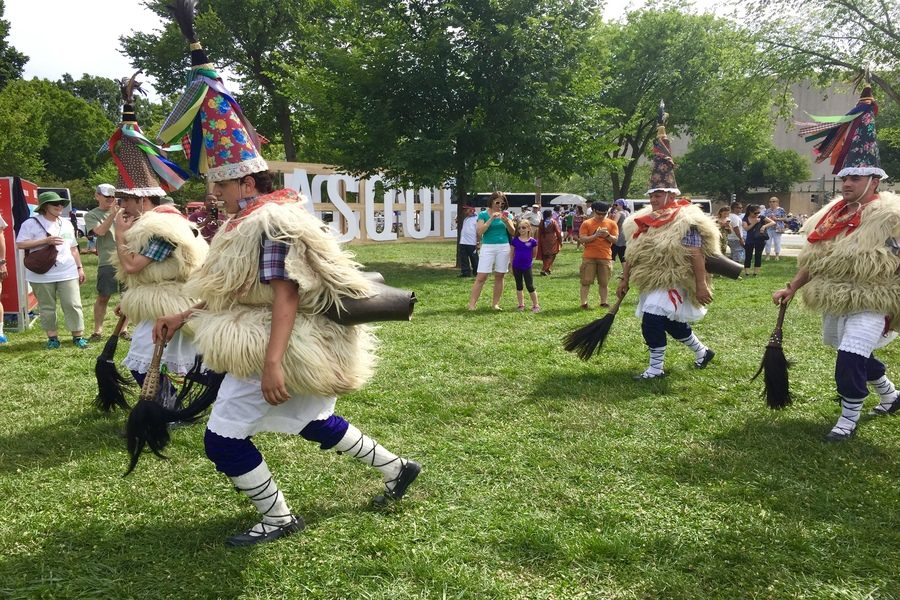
<point x="544" y="476"/>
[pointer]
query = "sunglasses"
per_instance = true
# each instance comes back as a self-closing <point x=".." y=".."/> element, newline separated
<point x="63" y="203"/>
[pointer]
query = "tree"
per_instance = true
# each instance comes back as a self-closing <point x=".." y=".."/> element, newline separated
<point x="255" y="40"/>
<point x="98" y="90"/>
<point x="720" y="170"/>
<point x="708" y="72"/>
<point x="55" y="130"/>
<point x="11" y="60"/>
<point x="830" y="39"/>
<point x="426" y="92"/>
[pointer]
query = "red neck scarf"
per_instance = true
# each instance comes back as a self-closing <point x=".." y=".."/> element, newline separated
<point x="843" y="216"/>
<point x="277" y="197"/>
<point x="658" y="218"/>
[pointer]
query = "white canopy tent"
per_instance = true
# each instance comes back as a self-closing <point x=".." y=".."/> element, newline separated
<point x="569" y="199"/>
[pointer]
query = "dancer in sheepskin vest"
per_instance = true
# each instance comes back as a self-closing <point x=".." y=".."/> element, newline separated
<point x="850" y="269"/>
<point x="667" y="247"/>
<point x="271" y="272"/>
<point x="157" y="250"/>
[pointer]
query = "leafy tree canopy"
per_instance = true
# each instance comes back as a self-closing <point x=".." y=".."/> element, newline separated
<point x="252" y="41"/>
<point x="11" y="60"/>
<point x="424" y="92"/>
<point x="832" y="39"/>
<point x="708" y="71"/>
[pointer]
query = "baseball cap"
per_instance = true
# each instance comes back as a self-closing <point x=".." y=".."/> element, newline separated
<point x="105" y="189"/>
<point x="535" y="206"/>
<point x="621" y="201"/>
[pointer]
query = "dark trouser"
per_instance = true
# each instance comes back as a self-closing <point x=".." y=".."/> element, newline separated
<point x="852" y="371"/>
<point x="234" y="457"/>
<point x="468" y="259"/>
<point x="618" y="251"/>
<point x="523" y="275"/>
<point x="756" y="248"/>
<point x="655" y="327"/>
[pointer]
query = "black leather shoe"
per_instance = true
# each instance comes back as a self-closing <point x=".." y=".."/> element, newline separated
<point x="272" y="533"/>
<point x="707" y="358"/>
<point x="408" y="474"/>
<point x="891" y="409"/>
<point x="837" y="436"/>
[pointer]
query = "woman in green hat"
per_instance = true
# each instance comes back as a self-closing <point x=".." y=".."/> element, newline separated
<point x="64" y="278"/>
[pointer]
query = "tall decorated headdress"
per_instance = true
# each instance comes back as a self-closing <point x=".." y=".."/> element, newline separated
<point x="849" y="140"/>
<point x="216" y="136"/>
<point x="662" y="174"/>
<point x="143" y="170"/>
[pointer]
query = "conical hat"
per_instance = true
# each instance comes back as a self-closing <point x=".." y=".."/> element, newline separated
<point x="143" y="170"/>
<point x="216" y="136"/>
<point x="662" y="174"/>
<point x="850" y="140"/>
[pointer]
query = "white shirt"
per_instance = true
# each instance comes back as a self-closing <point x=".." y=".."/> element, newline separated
<point x="469" y="233"/>
<point x="65" y="267"/>
<point x="735" y="221"/>
<point x="534" y="218"/>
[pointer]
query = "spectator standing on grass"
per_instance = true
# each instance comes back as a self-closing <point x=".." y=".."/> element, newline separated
<point x="4" y="272"/>
<point x="524" y="249"/>
<point x="577" y="222"/>
<point x="533" y="216"/>
<point x="496" y="229"/>
<point x="779" y="216"/>
<point x="735" y="239"/>
<point x="468" y="243"/>
<point x="549" y="242"/>
<point x="757" y="227"/>
<point x="597" y="235"/>
<point x="99" y="225"/>
<point x="619" y="214"/>
<point x="64" y="278"/>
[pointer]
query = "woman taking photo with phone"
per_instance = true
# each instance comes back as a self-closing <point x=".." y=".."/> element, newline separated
<point x="495" y="230"/>
<point x="756" y="227"/>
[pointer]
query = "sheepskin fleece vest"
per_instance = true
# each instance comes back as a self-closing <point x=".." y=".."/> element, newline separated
<point x="657" y="260"/>
<point x="158" y="289"/>
<point x="856" y="272"/>
<point x="232" y="332"/>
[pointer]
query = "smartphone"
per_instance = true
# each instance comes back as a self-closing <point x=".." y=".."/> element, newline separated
<point x="505" y="213"/>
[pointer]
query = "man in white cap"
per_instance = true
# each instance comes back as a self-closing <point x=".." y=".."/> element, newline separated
<point x="534" y="217"/>
<point x="99" y="223"/>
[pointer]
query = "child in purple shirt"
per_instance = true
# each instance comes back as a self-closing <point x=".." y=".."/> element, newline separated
<point x="524" y="247"/>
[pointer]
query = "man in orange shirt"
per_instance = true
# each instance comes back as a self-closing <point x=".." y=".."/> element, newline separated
<point x="597" y="234"/>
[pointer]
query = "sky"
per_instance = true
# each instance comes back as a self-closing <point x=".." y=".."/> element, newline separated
<point x="82" y="36"/>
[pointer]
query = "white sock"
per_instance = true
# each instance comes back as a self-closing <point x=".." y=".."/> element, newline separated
<point x="657" y="359"/>
<point x="850" y="410"/>
<point x="694" y="343"/>
<point x="260" y="487"/>
<point x="885" y="390"/>
<point x="368" y="451"/>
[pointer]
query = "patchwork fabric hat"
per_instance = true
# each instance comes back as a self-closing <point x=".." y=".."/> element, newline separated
<point x="662" y="173"/>
<point x="850" y="140"/>
<point x="218" y="139"/>
<point x="143" y="170"/>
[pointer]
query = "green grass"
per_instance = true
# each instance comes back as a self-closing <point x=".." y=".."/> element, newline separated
<point x="544" y="476"/>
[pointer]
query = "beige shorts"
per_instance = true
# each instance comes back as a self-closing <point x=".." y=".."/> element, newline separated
<point x="595" y="269"/>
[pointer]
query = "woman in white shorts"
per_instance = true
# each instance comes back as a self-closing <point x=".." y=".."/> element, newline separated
<point x="495" y="230"/>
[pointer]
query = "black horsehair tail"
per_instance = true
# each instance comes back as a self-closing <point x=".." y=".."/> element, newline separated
<point x="183" y="11"/>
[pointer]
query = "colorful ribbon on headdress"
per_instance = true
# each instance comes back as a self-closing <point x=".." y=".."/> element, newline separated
<point x="837" y="132"/>
<point x="171" y="176"/>
<point x="184" y="122"/>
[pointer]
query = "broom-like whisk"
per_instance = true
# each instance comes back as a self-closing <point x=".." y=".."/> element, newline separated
<point x="774" y="367"/>
<point x="585" y="340"/>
